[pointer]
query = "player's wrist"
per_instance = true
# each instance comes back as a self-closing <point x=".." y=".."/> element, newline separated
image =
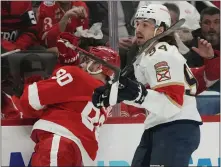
<point x="211" y="57"/>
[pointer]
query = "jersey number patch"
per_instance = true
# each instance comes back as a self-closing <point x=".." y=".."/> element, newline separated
<point x="92" y="123"/>
<point x="191" y="81"/>
<point x="62" y="77"/>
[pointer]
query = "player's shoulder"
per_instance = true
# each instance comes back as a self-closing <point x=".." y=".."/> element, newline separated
<point x="73" y="70"/>
<point x="163" y="50"/>
<point x="78" y="74"/>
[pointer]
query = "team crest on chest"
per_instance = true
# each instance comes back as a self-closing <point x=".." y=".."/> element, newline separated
<point x="162" y="71"/>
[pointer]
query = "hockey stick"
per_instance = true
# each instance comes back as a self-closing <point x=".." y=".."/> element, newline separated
<point x="147" y="44"/>
<point x="10" y="52"/>
<point x="114" y="82"/>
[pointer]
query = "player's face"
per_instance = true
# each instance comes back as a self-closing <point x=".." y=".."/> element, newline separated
<point x="144" y="31"/>
<point x="211" y="28"/>
<point x="89" y="65"/>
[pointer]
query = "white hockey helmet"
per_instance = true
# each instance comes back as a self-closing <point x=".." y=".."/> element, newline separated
<point x="158" y="12"/>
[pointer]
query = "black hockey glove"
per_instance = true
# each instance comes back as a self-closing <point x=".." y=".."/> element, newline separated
<point x="131" y="90"/>
<point x="128" y="90"/>
<point x="100" y="97"/>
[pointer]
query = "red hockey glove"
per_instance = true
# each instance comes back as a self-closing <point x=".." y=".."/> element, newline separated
<point x="67" y="55"/>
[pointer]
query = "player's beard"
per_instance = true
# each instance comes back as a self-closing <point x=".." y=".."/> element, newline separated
<point x="213" y="38"/>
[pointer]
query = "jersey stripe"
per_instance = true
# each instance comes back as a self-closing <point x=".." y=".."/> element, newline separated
<point x="175" y="93"/>
<point x="54" y="150"/>
<point x="33" y="97"/>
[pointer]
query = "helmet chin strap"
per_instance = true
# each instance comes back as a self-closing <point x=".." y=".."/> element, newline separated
<point x="90" y="72"/>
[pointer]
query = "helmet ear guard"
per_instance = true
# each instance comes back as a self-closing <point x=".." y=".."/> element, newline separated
<point x="91" y="72"/>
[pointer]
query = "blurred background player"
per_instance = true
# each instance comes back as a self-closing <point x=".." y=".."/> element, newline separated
<point x="55" y="17"/>
<point x="18" y="26"/>
<point x="67" y="132"/>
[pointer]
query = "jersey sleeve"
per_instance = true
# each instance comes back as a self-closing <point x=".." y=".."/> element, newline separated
<point x="163" y="70"/>
<point x="199" y="76"/>
<point x="62" y="87"/>
<point x="212" y="67"/>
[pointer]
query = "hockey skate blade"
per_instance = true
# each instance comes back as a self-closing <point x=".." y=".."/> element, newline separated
<point x="113" y="93"/>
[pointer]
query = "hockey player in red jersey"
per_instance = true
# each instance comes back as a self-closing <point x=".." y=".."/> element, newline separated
<point x="67" y="132"/>
<point x="18" y="25"/>
<point x="55" y="17"/>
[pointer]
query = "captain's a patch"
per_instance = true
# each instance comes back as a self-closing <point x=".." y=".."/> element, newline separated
<point x="162" y="71"/>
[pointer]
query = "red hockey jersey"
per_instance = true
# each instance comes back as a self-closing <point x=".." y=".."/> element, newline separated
<point x="48" y="16"/>
<point x="64" y="105"/>
<point x="18" y="25"/>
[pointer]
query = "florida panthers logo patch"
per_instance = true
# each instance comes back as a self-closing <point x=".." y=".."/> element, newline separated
<point x="162" y="71"/>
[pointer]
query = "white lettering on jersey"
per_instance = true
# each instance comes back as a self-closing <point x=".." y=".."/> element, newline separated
<point x="62" y="77"/>
<point x="93" y="123"/>
<point x="10" y="36"/>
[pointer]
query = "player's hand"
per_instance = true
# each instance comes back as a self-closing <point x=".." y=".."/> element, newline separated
<point x="100" y="97"/>
<point x="66" y="54"/>
<point x="131" y="91"/>
<point x="125" y="43"/>
<point x="79" y="12"/>
<point x="204" y="49"/>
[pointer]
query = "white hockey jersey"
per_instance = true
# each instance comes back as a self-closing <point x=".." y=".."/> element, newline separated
<point x="172" y="86"/>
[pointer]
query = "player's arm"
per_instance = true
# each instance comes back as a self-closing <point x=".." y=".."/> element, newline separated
<point x="85" y="21"/>
<point x="208" y="74"/>
<point x="60" y="88"/>
<point x="212" y="67"/>
<point x="49" y="35"/>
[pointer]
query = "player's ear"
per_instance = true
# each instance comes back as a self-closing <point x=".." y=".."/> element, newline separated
<point x="159" y="30"/>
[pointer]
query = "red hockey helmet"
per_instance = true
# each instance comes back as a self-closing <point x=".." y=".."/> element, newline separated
<point x="106" y="54"/>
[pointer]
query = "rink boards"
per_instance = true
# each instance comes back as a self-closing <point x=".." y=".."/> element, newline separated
<point x="118" y="140"/>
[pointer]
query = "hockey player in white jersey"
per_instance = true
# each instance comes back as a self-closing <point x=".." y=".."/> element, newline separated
<point x="166" y="89"/>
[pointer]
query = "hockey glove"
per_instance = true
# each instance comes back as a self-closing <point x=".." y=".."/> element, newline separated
<point x="101" y="96"/>
<point x="66" y="54"/>
<point x="131" y="91"/>
<point x="128" y="90"/>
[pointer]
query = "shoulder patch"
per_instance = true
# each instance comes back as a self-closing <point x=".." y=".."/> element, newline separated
<point x="162" y="71"/>
<point x="49" y="3"/>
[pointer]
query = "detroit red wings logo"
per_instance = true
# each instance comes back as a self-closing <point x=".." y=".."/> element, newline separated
<point x="162" y="71"/>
